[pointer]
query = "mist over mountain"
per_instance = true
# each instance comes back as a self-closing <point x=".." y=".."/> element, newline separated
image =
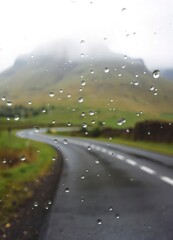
<point x="167" y="73"/>
<point x="107" y="75"/>
<point x="63" y="56"/>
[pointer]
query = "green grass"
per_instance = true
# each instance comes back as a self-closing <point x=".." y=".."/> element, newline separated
<point x="64" y="114"/>
<point x="163" y="148"/>
<point x="16" y="182"/>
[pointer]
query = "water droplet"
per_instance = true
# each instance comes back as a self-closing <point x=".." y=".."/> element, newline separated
<point x="125" y="56"/>
<point x="89" y="148"/>
<point x="9" y="103"/>
<point x="51" y="94"/>
<point x="29" y="102"/>
<point x="82" y="55"/>
<point x="68" y="95"/>
<point x="83" y="83"/>
<point x="67" y="190"/>
<point x="65" y="141"/>
<point x="80" y="99"/>
<point x="119" y="74"/>
<point x="16" y="117"/>
<point x="84" y="125"/>
<point x="93" y="121"/>
<point x="97" y="161"/>
<point x="36" y="129"/>
<point x="110" y="209"/>
<point x="136" y="75"/>
<point x="106" y="70"/>
<point x="61" y="90"/>
<point x="121" y="121"/>
<point x="82" y="41"/>
<point x="82" y="177"/>
<point x="123" y="9"/>
<point x="92" y="71"/>
<point x="22" y="158"/>
<point x="53" y="158"/>
<point x="156" y="74"/>
<point x="91" y="113"/>
<point x="35" y="204"/>
<point x="152" y="88"/>
<point x="69" y="124"/>
<point x="117" y="215"/>
<point x="53" y="121"/>
<point x="43" y="110"/>
<point x="99" y="221"/>
<point x="147" y="226"/>
<point x="3" y="98"/>
<point x="136" y="83"/>
<point x="83" y="114"/>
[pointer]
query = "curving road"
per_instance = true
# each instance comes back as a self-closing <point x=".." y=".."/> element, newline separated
<point x="108" y="192"/>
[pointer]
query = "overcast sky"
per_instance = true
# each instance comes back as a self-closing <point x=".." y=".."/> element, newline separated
<point x="137" y="28"/>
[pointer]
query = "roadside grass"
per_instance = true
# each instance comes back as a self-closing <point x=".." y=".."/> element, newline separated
<point x="162" y="148"/>
<point x="17" y="181"/>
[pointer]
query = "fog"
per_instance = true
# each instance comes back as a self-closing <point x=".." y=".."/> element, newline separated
<point x="139" y="29"/>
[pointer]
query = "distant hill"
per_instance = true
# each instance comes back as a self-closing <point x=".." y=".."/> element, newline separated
<point x="103" y="79"/>
<point x="168" y="73"/>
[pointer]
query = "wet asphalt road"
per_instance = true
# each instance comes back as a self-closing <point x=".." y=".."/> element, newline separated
<point x="108" y="192"/>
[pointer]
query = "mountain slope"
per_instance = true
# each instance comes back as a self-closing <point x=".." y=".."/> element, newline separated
<point x="112" y="82"/>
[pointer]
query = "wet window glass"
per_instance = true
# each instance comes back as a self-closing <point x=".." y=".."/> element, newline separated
<point x="86" y="119"/>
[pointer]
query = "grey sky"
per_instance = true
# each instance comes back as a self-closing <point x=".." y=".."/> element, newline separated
<point x="137" y="28"/>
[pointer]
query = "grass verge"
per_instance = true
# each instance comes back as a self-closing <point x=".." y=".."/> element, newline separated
<point x="162" y="148"/>
<point x="23" y="164"/>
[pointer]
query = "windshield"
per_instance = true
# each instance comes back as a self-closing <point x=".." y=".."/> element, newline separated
<point x="86" y="119"/>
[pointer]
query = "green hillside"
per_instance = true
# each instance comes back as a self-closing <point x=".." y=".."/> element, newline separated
<point x="112" y="88"/>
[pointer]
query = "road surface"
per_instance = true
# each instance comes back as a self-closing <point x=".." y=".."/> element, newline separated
<point x="108" y="192"/>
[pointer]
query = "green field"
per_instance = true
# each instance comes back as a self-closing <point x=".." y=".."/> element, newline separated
<point x="63" y="116"/>
<point x="163" y="148"/>
<point x="22" y="164"/>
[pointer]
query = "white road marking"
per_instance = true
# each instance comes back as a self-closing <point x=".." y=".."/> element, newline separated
<point x="98" y="148"/>
<point x="131" y="162"/>
<point x="147" y="169"/>
<point x="104" y="150"/>
<point x="92" y="146"/>
<point x="167" y="180"/>
<point x="120" y="157"/>
<point x="110" y="153"/>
